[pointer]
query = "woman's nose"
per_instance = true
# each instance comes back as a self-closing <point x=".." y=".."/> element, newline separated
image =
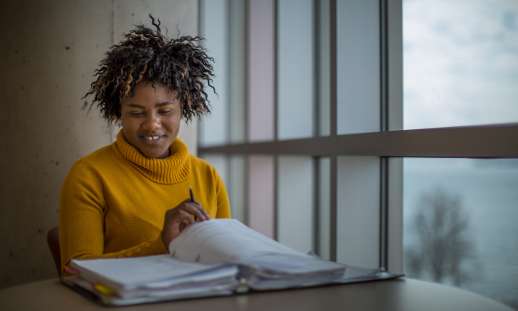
<point x="152" y="122"/>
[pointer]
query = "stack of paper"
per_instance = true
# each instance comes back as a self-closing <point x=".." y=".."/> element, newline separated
<point x="210" y="258"/>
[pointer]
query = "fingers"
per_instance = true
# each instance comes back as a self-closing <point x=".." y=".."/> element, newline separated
<point x="181" y="221"/>
<point x="179" y="218"/>
<point x="70" y="271"/>
<point x="194" y="209"/>
<point x="190" y="208"/>
<point x="175" y="221"/>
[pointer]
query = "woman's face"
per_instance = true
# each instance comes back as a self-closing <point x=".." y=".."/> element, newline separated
<point x="151" y="119"/>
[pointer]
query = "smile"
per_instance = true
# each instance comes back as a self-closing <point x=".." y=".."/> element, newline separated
<point x="151" y="138"/>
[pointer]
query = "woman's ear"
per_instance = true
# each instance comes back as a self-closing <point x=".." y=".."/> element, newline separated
<point x="117" y="124"/>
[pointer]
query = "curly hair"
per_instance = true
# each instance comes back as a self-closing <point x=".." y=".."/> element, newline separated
<point x="148" y="55"/>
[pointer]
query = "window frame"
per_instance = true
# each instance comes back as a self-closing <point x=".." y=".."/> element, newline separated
<point x="390" y="142"/>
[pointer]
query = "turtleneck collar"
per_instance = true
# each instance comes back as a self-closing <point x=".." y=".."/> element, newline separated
<point x="171" y="170"/>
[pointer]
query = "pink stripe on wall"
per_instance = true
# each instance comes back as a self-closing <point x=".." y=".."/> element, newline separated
<point x="261" y="70"/>
<point x="260" y="194"/>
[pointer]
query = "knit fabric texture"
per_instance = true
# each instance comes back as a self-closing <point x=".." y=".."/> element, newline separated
<point x="113" y="201"/>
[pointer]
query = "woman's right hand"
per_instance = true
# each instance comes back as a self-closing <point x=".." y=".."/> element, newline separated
<point x="180" y="217"/>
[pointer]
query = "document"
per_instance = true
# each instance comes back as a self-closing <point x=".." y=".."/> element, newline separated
<point x="210" y="258"/>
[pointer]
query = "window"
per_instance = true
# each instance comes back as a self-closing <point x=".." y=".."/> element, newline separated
<point x="317" y="147"/>
<point x="460" y="60"/>
<point x="460" y="225"/>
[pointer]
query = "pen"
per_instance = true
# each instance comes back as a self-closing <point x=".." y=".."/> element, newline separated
<point x="191" y="195"/>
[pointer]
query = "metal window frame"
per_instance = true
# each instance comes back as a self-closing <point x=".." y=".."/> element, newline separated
<point x="333" y="129"/>
<point x="275" y="119"/>
<point x="482" y="141"/>
<point x="476" y="141"/>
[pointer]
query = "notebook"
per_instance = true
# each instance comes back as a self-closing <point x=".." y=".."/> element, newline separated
<point x="211" y="258"/>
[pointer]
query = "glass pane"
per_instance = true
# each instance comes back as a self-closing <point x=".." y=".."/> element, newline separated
<point x="295" y="202"/>
<point x="324" y="67"/>
<point x="358" y="203"/>
<point x="236" y="188"/>
<point x="324" y="209"/>
<point x="260" y="82"/>
<point x="214" y="28"/>
<point x="460" y="224"/>
<point x="460" y="62"/>
<point x="236" y="76"/>
<point x="395" y="215"/>
<point x="295" y="72"/>
<point x="260" y="194"/>
<point x="358" y="66"/>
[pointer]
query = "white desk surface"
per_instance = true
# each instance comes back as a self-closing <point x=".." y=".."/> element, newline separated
<point x="402" y="294"/>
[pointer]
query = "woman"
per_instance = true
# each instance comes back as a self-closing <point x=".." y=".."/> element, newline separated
<point x="131" y="198"/>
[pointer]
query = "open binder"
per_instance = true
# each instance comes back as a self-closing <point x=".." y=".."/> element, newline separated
<point x="210" y="258"/>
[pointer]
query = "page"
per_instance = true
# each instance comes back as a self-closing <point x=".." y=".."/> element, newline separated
<point x="224" y="240"/>
<point x="148" y="271"/>
<point x="205" y="289"/>
<point x="278" y="264"/>
<point x="220" y="290"/>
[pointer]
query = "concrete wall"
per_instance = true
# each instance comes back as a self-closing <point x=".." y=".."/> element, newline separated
<point x="48" y="52"/>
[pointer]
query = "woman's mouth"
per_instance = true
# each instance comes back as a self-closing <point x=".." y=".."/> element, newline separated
<point x="151" y="139"/>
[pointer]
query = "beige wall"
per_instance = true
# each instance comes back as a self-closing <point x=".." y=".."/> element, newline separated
<point x="48" y="52"/>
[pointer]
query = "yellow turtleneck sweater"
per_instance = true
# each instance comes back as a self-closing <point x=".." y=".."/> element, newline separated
<point x="113" y="201"/>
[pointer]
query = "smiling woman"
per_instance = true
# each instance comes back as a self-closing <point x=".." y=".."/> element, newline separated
<point x="132" y="198"/>
<point x="151" y="119"/>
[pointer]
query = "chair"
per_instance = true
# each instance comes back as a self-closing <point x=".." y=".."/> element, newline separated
<point x="53" y="242"/>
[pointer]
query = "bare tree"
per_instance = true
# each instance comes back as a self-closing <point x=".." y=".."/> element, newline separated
<point x="442" y="244"/>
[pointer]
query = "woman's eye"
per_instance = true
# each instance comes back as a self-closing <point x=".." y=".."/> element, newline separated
<point x="136" y="113"/>
<point x="166" y="111"/>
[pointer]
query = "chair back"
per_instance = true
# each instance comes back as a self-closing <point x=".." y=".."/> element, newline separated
<point x="53" y="242"/>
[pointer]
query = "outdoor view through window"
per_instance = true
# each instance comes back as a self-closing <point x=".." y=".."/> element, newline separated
<point x="461" y="68"/>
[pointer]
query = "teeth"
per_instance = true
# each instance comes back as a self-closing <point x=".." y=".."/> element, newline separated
<point x="152" y="138"/>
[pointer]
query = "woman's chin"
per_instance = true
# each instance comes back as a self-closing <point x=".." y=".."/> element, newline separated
<point x="158" y="155"/>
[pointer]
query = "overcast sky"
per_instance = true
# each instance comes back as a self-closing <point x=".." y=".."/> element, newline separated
<point x="460" y="62"/>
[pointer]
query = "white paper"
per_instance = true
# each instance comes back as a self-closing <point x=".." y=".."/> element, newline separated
<point x="139" y="271"/>
<point x="224" y="240"/>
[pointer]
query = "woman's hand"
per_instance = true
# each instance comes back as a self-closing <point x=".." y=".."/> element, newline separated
<point x="179" y="218"/>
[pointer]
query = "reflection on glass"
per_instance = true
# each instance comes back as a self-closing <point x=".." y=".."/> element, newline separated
<point x="358" y="203"/>
<point x="260" y="70"/>
<point x="295" y="68"/>
<point x="295" y="202"/>
<point x="324" y="209"/>
<point x="358" y="66"/>
<point x="260" y="194"/>
<point x="460" y="224"/>
<point x="236" y="187"/>
<point x="460" y="62"/>
<point x="236" y="78"/>
<point x="324" y="67"/>
<point x="214" y="27"/>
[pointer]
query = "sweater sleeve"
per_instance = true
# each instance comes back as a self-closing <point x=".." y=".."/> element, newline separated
<point x="81" y="220"/>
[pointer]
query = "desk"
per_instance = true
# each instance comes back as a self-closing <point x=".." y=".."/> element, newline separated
<point x="402" y="294"/>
